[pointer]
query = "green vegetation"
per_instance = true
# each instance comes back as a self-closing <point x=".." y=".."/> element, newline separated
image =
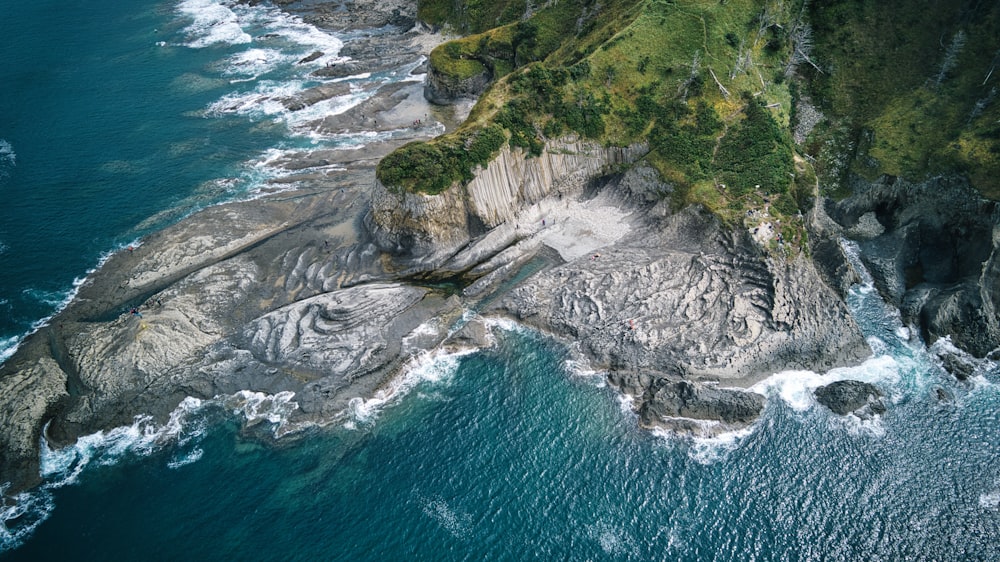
<point x="471" y="16"/>
<point x="910" y="90"/>
<point x="457" y="59"/>
<point x="432" y="167"/>
<point x="755" y="153"/>
<point x="709" y="86"/>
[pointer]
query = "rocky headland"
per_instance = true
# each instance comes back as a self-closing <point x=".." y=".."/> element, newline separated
<point x="329" y="290"/>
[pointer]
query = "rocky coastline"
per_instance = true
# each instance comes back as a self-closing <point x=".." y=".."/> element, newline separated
<point x="328" y="290"/>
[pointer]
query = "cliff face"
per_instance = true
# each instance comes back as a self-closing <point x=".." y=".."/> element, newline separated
<point x="682" y="298"/>
<point x="932" y="248"/>
<point x="427" y="229"/>
<point x="443" y="89"/>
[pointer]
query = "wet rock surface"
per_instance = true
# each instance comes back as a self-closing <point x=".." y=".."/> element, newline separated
<point x="681" y="405"/>
<point x="932" y="249"/>
<point x="851" y="397"/>
<point x="282" y="293"/>
<point x="326" y="291"/>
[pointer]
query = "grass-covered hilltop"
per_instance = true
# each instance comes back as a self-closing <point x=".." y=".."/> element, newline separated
<point x="742" y="103"/>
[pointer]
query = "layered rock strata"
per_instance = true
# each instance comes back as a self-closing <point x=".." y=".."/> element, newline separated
<point x="282" y="293"/>
<point x="425" y="230"/>
<point x="678" y="298"/>
<point x="292" y="293"/>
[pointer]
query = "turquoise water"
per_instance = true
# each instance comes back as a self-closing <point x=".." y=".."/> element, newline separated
<point x="120" y="117"/>
<point x="511" y="454"/>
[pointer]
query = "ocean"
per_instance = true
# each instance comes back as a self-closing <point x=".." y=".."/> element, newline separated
<point x="119" y="118"/>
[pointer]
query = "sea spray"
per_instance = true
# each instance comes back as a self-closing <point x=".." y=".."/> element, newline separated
<point x="224" y="40"/>
<point x="434" y="367"/>
<point x="8" y="159"/>
<point x="181" y="434"/>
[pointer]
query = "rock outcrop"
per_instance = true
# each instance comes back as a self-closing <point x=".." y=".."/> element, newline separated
<point x="272" y="295"/>
<point x="684" y="406"/>
<point x="687" y="296"/>
<point x="680" y="297"/>
<point x="281" y="294"/>
<point x="443" y="89"/>
<point x="851" y="397"/>
<point x="355" y="14"/>
<point x="299" y="293"/>
<point x="31" y="393"/>
<point x="932" y="249"/>
<point x="425" y="230"/>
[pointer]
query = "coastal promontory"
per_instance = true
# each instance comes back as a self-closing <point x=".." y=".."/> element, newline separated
<point x="669" y="188"/>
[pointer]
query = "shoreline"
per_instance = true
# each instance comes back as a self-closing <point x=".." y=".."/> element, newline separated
<point x="49" y="372"/>
<point x="294" y="291"/>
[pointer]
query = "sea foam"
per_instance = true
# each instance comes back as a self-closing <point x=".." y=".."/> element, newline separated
<point x="8" y="159"/>
<point x="183" y="431"/>
<point x="213" y="23"/>
<point x="228" y="22"/>
<point x="427" y="367"/>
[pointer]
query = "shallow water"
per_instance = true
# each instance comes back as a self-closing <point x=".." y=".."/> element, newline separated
<point x="126" y="115"/>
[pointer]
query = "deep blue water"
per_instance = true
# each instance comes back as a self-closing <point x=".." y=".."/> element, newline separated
<point x="510" y="454"/>
<point x="119" y="117"/>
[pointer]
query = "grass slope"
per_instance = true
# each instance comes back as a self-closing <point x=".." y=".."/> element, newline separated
<point x="909" y="87"/>
<point x="705" y="83"/>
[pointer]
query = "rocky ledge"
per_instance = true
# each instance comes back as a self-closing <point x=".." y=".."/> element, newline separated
<point x="932" y="249"/>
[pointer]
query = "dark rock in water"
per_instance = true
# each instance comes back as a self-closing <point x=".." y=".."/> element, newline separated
<point x="942" y="395"/>
<point x="931" y="250"/>
<point x="845" y="397"/>
<point x="692" y="400"/>
<point x="659" y="400"/>
<point x="372" y="63"/>
<point x="315" y="95"/>
<point x="315" y="55"/>
<point x="961" y="367"/>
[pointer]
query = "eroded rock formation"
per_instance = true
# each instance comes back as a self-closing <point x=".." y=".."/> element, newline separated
<point x="425" y="230"/>
<point x="851" y="397"/>
<point x="932" y="249"/>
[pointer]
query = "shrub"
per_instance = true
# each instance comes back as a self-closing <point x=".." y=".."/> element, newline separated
<point x="755" y="152"/>
<point x="432" y="167"/>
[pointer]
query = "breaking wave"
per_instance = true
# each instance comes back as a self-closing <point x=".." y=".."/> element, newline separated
<point x="433" y="367"/>
<point x="8" y="159"/>
<point x="183" y="431"/>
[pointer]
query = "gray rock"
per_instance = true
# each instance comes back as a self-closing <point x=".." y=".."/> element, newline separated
<point x="443" y="89"/>
<point x="687" y="296"/>
<point x="474" y="333"/>
<point x="962" y="366"/>
<point x="29" y="394"/>
<point x="315" y="95"/>
<point x="846" y="397"/>
<point x="938" y="258"/>
<point x="680" y="405"/>
<point x="283" y="293"/>
<point x="311" y="57"/>
<point x="867" y="227"/>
